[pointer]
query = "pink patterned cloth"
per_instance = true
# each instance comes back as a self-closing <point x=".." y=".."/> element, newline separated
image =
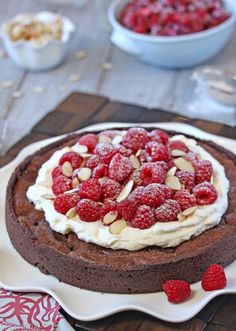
<point x="28" y="312"/>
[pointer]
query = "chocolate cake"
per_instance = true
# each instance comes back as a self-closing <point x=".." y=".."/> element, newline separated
<point x="93" y="267"/>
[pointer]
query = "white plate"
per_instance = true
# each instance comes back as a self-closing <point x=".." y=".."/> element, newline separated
<point x="18" y="275"/>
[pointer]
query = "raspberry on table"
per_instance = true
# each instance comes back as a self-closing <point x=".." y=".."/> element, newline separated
<point x="153" y="195"/>
<point x="120" y="167"/>
<point x="93" y="162"/>
<point x="214" y="278"/>
<point x="64" y="202"/>
<point x="185" y="199"/>
<point x="100" y="171"/>
<point x="168" y="211"/>
<point x="61" y="184"/>
<point x="159" y="136"/>
<point x="157" y="151"/>
<point x="178" y="144"/>
<point x="90" y="140"/>
<point x="186" y="178"/>
<point x="135" y="139"/>
<point x="127" y="208"/>
<point x="144" y="218"/>
<point x="56" y="172"/>
<point x="152" y="173"/>
<point x="204" y="171"/>
<point x="107" y="207"/>
<point x="88" y="210"/>
<point x="137" y="194"/>
<point x="166" y="190"/>
<point x="90" y="189"/>
<point x="177" y="291"/>
<point x="74" y="158"/>
<point x="205" y="193"/>
<point x="111" y="189"/>
<point x="105" y="151"/>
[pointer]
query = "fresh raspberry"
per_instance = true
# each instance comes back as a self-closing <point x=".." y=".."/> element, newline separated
<point x="168" y="211"/>
<point x="90" y="189"/>
<point x="153" y="195"/>
<point x="204" y="171"/>
<point x="185" y="199"/>
<point x="72" y="157"/>
<point x="135" y="176"/>
<point x="159" y="136"/>
<point x="156" y="151"/>
<point x="90" y="140"/>
<point x="100" y="171"/>
<point x="61" y="184"/>
<point x="120" y="167"/>
<point x="144" y="218"/>
<point x="214" y="278"/>
<point x="192" y="157"/>
<point x="93" y="162"/>
<point x="135" y="139"/>
<point x="177" y="291"/>
<point x="111" y="189"/>
<point x="109" y="133"/>
<point x="205" y="193"/>
<point x="178" y="144"/>
<point x="105" y="151"/>
<point x="56" y="172"/>
<point x="88" y="210"/>
<point x="107" y="207"/>
<point x="137" y="194"/>
<point x="124" y="151"/>
<point x="186" y="178"/>
<point x="152" y="173"/>
<point x="127" y="208"/>
<point x="166" y="190"/>
<point x="64" y="202"/>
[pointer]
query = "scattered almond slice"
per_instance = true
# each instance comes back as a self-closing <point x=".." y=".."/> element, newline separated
<point x="107" y="66"/>
<point x="17" y="94"/>
<point x="117" y="226"/>
<point x="74" y="78"/>
<point x="103" y="179"/>
<point x="44" y="183"/>
<point x="71" y="212"/>
<point x="117" y="140"/>
<point x="81" y="55"/>
<point x="86" y="155"/>
<point x="173" y="182"/>
<point x="171" y="171"/>
<point x="110" y="217"/>
<point x="184" y="165"/>
<point x="138" y="153"/>
<point x="104" y="139"/>
<point x="212" y="179"/>
<point x="7" y="84"/>
<point x="67" y="169"/>
<point x="81" y="149"/>
<point x="181" y="218"/>
<point x="71" y="191"/>
<point x="75" y="182"/>
<point x="48" y="196"/>
<point x="135" y="162"/>
<point x="38" y="89"/>
<point x="189" y="211"/>
<point x="84" y="174"/>
<point x="125" y="191"/>
<point x="177" y="152"/>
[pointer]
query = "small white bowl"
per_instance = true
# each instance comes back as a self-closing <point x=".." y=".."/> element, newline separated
<point x="38" y="57"/>
<point x="173" y="52"/>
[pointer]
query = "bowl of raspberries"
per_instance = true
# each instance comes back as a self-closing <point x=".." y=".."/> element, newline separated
<point x="172" y="34"/>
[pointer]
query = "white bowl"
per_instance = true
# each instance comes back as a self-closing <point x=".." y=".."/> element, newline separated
<point x="38" y="57"/>
<point x="175" y="51"/>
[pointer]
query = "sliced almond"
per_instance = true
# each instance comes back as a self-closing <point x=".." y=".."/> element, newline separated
<point x="184" y="165"/>
<point x="110" y="217"/>
<point x="117" y="140"/>
<point x="103" y="179"/>
<point x="104" y="139"/>
<point x="181" y="218"/>
<point x="71" y="212"/>
<point x="125" y="191"/>
<point x="173" y="182"/>
<point x="171" y="171"/>
<point x="67" y="169"/>
<point x="81" y="149"/>
<point x="135" y="162"/>
<point x="45" y="184"/>
<point x="75" y="182"/>
<point x="117" y="226"/>
<point x="138" y="153"/>
<point x="48" y="196"/>
<point x="177" y="152"/>
<point x="71" y="191"/>
<point x="86" y="155"/>
<point x="189" y="211"/>
<point x="84" y="174"/>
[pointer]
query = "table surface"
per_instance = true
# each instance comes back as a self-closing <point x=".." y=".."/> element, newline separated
<point x="129" y="80"/>
<point x="80" y="110"/>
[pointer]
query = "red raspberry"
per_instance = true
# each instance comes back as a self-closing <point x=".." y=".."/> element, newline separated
<point x="178" y="144"/>
<point x="193" y="158"/>
<point x="204" y="171"/>
<point x="72" y="157"/>
<point x="137" y="195"/>
<point x="135" y="176"/>
<point x="185" y="199"/>
<point x="56" y="172"/>
<point x="166" y="190"/>
<point x="144" y="218"/>
<point x="90" y="140"/>
<point x="177" y="291"/>
<point x="105" y="151"/>
<point x="109" y="133"/>
<point x="157" y="151"/>
<point x="186" y="178"/>
<point x="168" y="211"/>
<point x="214" y="278"/>
<point x="111" y="189"/>
<point x="120" y="167"/>
<point x="152" y="173"/>
<point x="107" y="207"/>
<point x="100" y="171"/>
<point x="135" y="139"/>
<point x="153" y="195"/>
<point x="124" y="151"/>
<point x="127" y="208"/>
<point x="88" y="210"/>
<point x="205" y="193"/>
<point x="90" y="189"/>
<point x="159" y="136"/>
<point x="93" y="162"/>
<point x="61" y="184"/>
<point x="65" y="202"/>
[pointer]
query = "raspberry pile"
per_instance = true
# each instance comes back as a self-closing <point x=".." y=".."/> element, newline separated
<point x="142" y="177"/>
<point x="173" y="17"/>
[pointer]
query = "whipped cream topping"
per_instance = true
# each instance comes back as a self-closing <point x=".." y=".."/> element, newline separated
<point x="169" y="234"/>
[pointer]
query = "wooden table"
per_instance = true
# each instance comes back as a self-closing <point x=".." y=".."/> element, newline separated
<point x="79" y="110"/>
<point x="129" y="80"/>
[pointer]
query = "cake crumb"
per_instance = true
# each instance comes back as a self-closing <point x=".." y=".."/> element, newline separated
<point x="8" y="84"/>
<point x="74" y="78"/>
<point x="17" y="94"/>
<point x="81" y="55"/>
<point x="38" y="89"/>
<point x="107" y="66"/>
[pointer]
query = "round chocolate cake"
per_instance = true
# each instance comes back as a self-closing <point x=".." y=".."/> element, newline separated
<point x="131" y="231"/>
